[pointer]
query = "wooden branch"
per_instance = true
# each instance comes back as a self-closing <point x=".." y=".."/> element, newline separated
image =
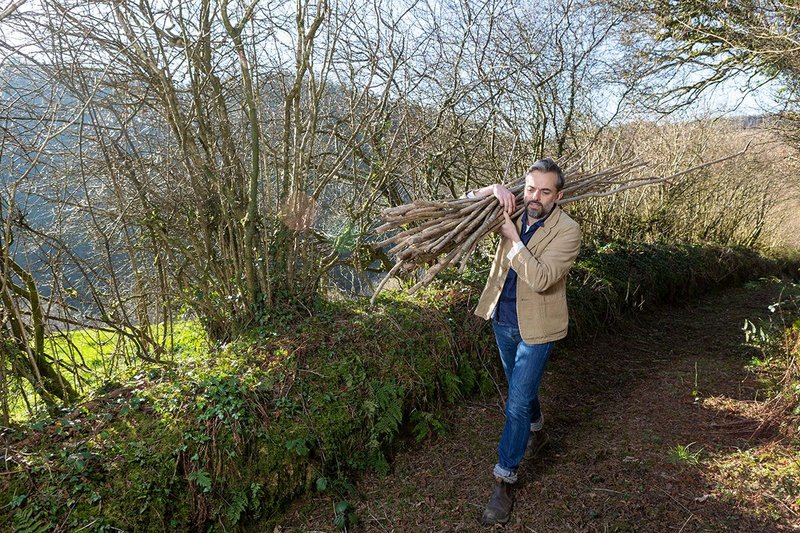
<point x="451" y="229"/>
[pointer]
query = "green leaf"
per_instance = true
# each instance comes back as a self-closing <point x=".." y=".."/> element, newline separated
<point x="342" y="506"/>
<point x="299" y="446"/>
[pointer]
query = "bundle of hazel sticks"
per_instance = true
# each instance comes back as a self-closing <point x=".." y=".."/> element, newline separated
<point x="446" y="232"/>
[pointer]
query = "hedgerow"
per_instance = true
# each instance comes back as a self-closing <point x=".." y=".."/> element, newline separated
<point x="224" y="441"/>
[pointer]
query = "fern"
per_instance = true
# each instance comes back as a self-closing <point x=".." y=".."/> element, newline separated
<point x="29" y="521"/>
<point x="202" y="478"/>
<point x="425" y="425"/>
<point x="387" y="412"/>
<point x="468" y="376"/>
<point x="237" y="507"/>
<point x="256" y="493"/>
<point x="451" y="386"/>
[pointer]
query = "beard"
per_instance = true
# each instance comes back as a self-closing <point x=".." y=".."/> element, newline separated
<point x="534" y="210"/>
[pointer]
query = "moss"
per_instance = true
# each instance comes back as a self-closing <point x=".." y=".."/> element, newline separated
<point x="758" y="478"/>
<point x="230" y="436"/>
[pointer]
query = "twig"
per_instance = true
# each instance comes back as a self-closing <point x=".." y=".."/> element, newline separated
<point x="445" y="232"/>
<point x="691" y="515"/>
<point x="607" y="490"/>
<point x="391" y="273"/>
<point x="781" y="502"/>
<point x="676" y="501"/>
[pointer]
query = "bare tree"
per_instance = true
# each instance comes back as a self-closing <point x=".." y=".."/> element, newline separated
<point x="689" y="48"/>
<point x="225" y="156"/>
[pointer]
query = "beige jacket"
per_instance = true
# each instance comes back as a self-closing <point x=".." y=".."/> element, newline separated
<point x="541" y="268"/>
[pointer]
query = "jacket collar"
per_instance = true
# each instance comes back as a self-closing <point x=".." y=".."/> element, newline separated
<point x="544" y="231"/>
<point x="549" y="221"/>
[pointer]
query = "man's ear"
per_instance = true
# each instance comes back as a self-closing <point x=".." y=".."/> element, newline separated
<point x="559" y="195"/>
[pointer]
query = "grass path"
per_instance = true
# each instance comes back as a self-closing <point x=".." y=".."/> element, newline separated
<point x="649" y="428"/>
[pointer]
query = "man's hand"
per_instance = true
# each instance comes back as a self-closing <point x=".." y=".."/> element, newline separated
<point x="506" y="197"/>
<point x="508" y="229"/>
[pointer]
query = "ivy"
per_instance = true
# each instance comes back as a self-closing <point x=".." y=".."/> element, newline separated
<point x="231" y="435"/>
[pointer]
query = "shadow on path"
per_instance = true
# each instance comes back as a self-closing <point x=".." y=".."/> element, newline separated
<point x="630" y="413"/>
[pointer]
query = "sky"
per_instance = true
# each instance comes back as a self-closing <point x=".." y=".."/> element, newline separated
<point x="733" y="99"/>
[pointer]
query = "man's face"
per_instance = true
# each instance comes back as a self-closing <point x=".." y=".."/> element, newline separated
<point x="540" y="193"/>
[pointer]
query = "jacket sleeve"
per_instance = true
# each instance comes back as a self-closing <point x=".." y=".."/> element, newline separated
<point x="552" y="264"/>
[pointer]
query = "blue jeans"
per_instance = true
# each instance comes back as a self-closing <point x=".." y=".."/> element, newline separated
<point x="524" y="365"/>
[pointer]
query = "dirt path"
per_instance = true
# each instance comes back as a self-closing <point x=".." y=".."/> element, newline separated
<point x="618" y="410"/>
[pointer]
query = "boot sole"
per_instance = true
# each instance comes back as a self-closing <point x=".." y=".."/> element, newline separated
<point x="502" y="521"/>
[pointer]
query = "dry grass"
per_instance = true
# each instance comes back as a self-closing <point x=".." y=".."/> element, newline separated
<point x="748" y="201"/>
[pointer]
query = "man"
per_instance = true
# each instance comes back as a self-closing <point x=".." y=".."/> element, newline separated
<point x="525" y="296"/>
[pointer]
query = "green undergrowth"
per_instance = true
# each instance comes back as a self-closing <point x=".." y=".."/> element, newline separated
<point x="764" y="477"/>
<point x="225" y="439"/>
<point x="777" y="366"/>
<point x="609" y="280"/>
<point x="93" y="359"/>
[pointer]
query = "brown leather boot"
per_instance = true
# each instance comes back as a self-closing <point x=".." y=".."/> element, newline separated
<point x="498" y="510"/>
<point x="536" y="441"/>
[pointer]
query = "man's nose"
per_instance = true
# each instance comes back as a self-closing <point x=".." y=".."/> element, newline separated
<point x="536" y="195"/>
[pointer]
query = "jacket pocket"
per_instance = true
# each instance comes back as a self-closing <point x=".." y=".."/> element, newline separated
<point x="555" y="309"/>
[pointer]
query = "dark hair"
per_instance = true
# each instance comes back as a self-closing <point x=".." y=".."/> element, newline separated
<point x="548" y="165"/>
